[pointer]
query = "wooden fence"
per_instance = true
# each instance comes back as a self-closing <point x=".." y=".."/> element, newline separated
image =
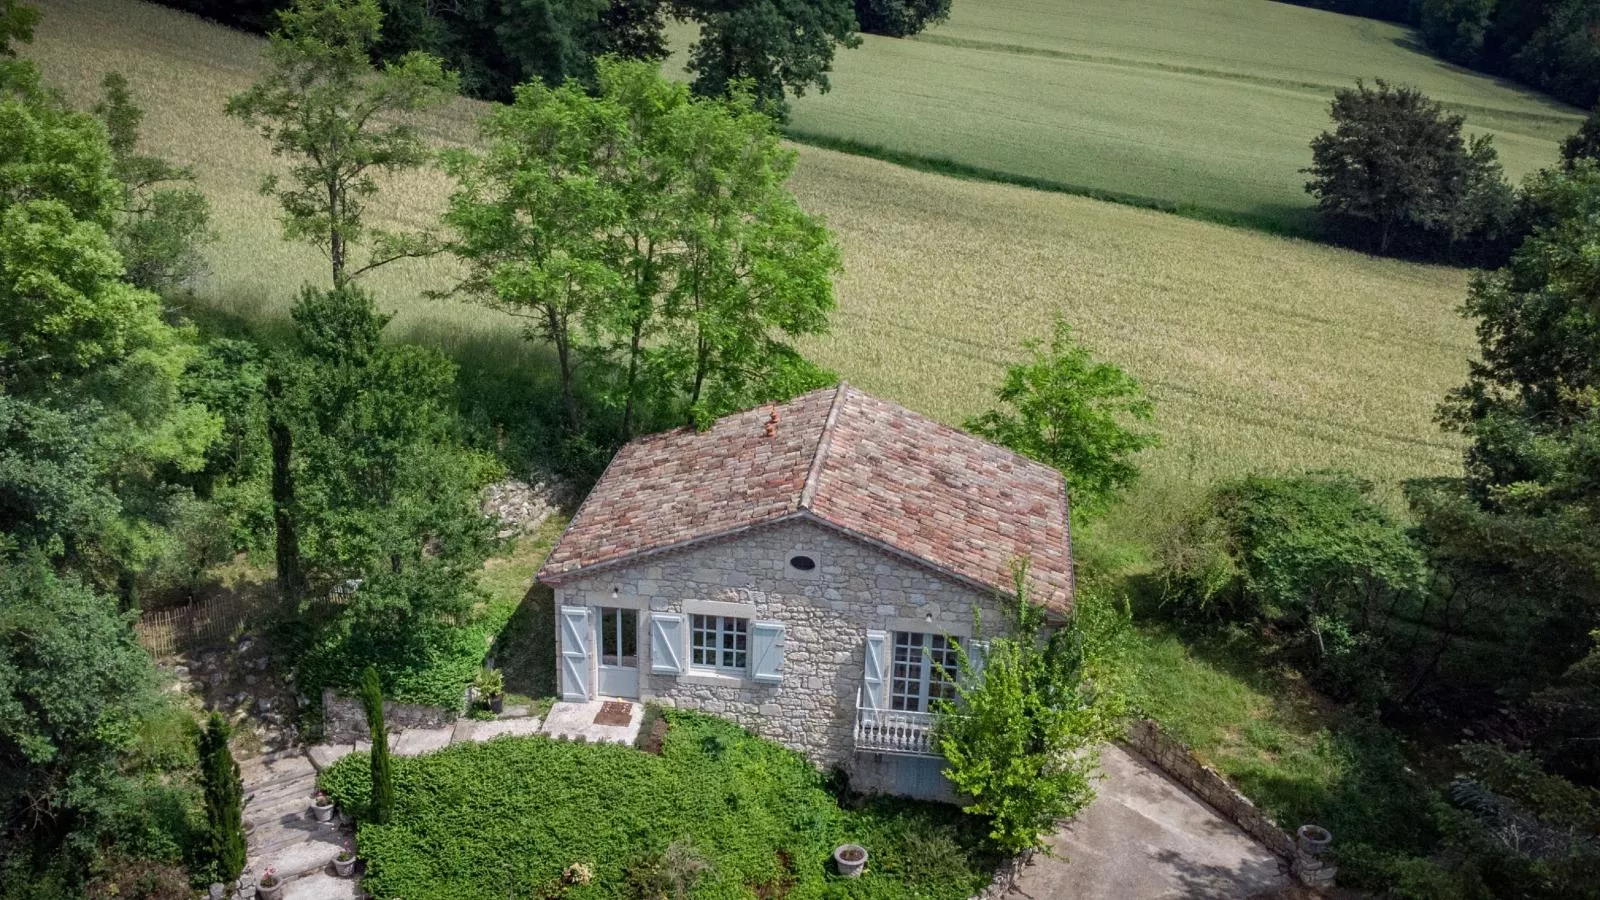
<point x="165" y="631"/>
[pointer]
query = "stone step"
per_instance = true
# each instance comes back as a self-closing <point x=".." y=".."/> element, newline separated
<point x="284" y="814"/>
<point x="322" y="886"/>
<point x="260" y="774"/>
<point x="280" y="787"/>
<point x="306" y="788"/>
<point x="295" y="858"/>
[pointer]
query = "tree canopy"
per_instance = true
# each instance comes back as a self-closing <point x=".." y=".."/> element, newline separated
<point x="340" y="120"/>
<point x="650" y="229"/>
<point x="1395" y="173"/>
<point x="900" y="18"/>
<point x="1065" y="410"/>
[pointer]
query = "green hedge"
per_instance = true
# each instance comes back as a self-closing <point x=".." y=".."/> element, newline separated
<point x="506" y="818"/>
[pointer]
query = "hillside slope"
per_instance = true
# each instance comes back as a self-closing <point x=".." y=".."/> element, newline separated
<point x="1260" y="352"/>
<point x="1209" y="103"/>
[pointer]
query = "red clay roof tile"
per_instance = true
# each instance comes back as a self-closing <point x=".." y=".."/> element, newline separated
<point x="870" y="468"/>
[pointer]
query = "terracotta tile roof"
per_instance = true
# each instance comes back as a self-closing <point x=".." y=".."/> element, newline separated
<point x="867" y="467"/>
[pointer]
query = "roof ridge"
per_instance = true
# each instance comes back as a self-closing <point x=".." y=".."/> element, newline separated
<point x="808" y="492"/>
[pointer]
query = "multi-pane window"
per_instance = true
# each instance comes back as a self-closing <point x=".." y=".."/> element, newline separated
<point x="924" y="671"/>
<point x="719" y="642"/>
<point x="619" y="637"/>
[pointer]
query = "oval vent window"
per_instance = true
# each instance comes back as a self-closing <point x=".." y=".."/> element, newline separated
<point x="802" y="563"/>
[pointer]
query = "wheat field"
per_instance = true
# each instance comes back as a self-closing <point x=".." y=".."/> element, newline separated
<point x="1262" y="353"/>
<point x="1208" y="103"/>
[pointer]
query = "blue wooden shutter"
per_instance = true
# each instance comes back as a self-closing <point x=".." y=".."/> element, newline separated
<point x="575" y="653"/>
<point x="766" y="650"/>
<point x="977" y="654"/>
<point x="666" y="643"/>
<point x="873" y="681"/>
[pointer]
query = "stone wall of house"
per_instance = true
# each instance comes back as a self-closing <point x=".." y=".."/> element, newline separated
<point x="344" y="720"/>
<point x="1170" y="755"/>
<point x="856" y="587"/>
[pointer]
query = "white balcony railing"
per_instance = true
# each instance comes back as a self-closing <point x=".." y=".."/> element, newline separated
<point x="894" y="731"/>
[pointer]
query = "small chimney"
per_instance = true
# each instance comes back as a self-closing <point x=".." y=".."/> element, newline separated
<point x="772" y="423"/>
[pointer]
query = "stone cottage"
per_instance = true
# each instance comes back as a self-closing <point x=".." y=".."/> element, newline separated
<point x="807" y="570"/>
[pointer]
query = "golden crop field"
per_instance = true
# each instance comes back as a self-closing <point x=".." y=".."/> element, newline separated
<point x="1261" y="352"/>
<point x="1210" y="103"/>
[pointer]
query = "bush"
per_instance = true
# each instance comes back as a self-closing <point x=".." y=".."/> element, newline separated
<point x="1314" y="558"/>
<point x="416" y="627"/>
<point x="139" y="879"/>
<point x="756" y="814"/>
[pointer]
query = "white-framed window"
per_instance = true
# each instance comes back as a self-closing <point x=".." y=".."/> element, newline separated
<point x="719" y="642"/>
<point x="924" y="670"/>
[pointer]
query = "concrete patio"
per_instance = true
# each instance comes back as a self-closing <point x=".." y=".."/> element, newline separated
<point x="1145" y="837"/>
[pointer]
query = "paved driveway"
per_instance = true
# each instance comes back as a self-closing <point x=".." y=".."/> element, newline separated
<point x="1147" y="838"/>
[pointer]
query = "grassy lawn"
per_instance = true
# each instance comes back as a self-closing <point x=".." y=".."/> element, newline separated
<point x="1193" y="102"/>
<point x="506" y="818"/>
<point x="1261" y="353"/>
<point x="1298" y="757"/>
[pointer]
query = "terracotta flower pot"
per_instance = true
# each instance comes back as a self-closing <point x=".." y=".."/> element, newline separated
<point x="850" y="859"/>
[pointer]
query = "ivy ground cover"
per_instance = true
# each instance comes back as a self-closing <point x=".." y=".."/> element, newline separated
<point x="507" y="818"/>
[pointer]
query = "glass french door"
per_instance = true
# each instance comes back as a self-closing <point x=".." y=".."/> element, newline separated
<point x="924" y="671"/>
<point x="618" y="639"/>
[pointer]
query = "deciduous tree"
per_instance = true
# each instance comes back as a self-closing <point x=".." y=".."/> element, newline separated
<point x="74" y="686"/>
<point x="900" y="18"/>
<point x="1066" y="410"/>
<point x="339" y="120"/>
<point x="379" y="473"/>
<point x="777" y="47"/>
<point x="165" y="223"/>
<point x="1396" y="168"/>
<point x="658" y="227"/>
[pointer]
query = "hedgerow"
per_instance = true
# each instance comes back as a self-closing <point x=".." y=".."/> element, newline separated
<point x="507" y="818"/>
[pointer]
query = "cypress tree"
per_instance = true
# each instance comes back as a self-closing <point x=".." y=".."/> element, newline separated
<point x="224" y="792"/>
<point x="382" y="785"/>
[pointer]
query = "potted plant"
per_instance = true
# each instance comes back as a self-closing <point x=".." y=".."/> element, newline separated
<point x="1313" y="839"/>
<point x="345" y="863"/>
<point x="489" y="689"/>
<point x="322" y="807"/>
<point x="270" y="887"/>
<point x="850" y="859"/>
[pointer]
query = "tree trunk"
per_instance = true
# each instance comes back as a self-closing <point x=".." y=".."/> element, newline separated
<point x="335" y="238"/>
<point x="701" y="363"/>
<point x="291" y="580"/>
<point x="561" y="337"/>
<point x="633" y="379"/>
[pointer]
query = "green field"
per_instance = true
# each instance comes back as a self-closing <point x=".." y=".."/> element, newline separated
<point x="1261" y="352"/>
<point x="1208" y="103"/>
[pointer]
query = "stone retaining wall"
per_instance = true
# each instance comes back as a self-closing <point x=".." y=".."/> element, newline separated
<point x="344" y="720"/>
<point x="1166" y="753"/>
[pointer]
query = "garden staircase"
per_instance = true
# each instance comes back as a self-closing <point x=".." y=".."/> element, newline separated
<point x="278" y="789"/>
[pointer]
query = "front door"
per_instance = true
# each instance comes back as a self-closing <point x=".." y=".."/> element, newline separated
<point x="619" y="652"/>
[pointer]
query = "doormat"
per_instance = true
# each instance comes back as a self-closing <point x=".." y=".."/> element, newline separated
<point x="614" y="712"/>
